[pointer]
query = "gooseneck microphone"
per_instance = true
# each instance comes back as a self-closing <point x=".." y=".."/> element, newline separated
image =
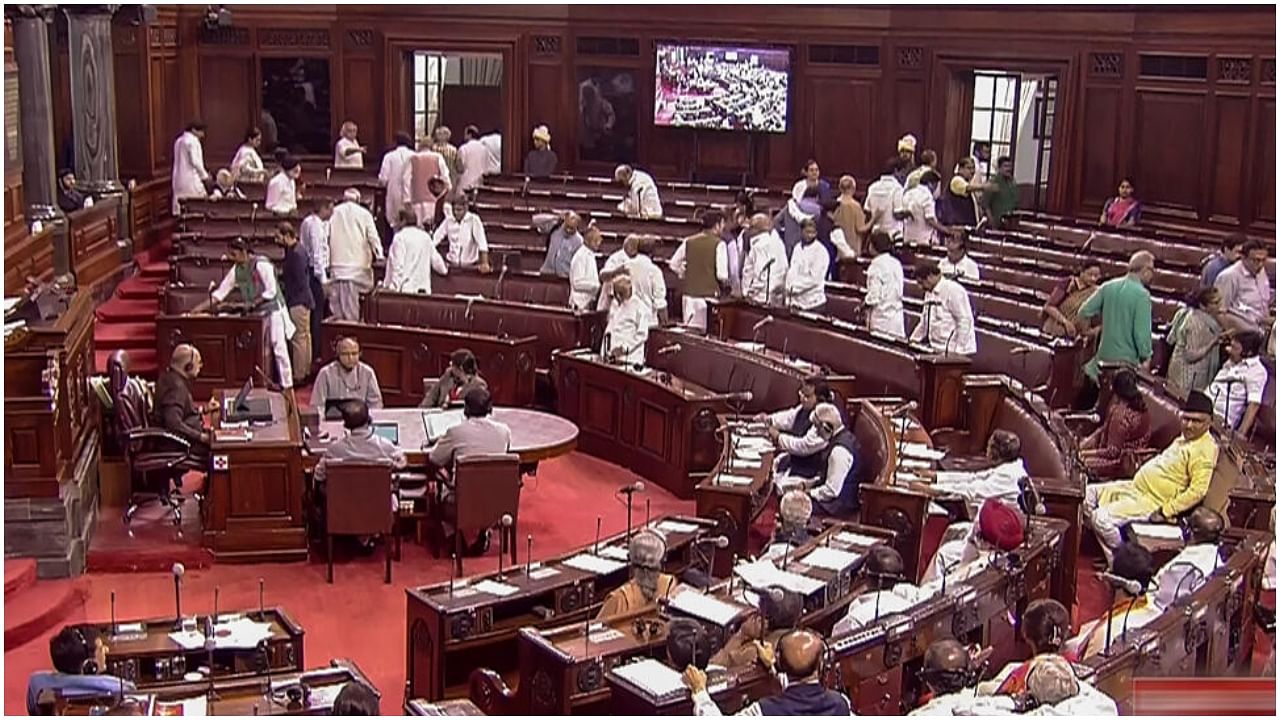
<point x="178" y="571"/>
<point x="630" y="491"/>
<point x="506" y="527"/>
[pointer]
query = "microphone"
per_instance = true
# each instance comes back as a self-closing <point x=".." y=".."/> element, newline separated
<point x="210" y="644"/>
<point x="528" y="555"/>
<point x="946" y="349"/>
<point x="743" y="396"/>
<point x="453" y="571"/>
<point x="216" y="591"/>
<point x="785" y="339"/>
<point x="506" y="524"/>
<point x="635" y="487"/>
<point x="253" y="212"/>
<point x="719" y="541"/>
<point x="262" y="609"/>
<point x="502" y="274"/>
<point x="501" y="335"/>
<point x="630" y="491"/>
<point x="212" y="286"/>
<point x="266" y="668"/>
<point x="762" y="322"/>
<point x="595" y="549"/>
<point x="1020" y="351"/>
<point x="671" y="349"/>
<point x="907" y="407"/>
<point x="1133" y="587"/>
<point x="113" y="616"/>
<point x="1029" y="499"/>
<point x="178" y="571"/>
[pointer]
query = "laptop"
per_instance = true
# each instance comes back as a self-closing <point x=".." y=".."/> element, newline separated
<point x="436" y="424"/>
<point x="388" y="431"/>
<point x="243" y="408"/>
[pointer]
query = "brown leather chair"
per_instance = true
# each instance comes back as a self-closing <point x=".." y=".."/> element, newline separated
<point x="358" y="502"/>
<point x="486" y="487"/>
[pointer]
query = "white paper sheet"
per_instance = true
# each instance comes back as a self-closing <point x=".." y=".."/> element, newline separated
<point x="703" y="606"/>
<point x="829" y="558"/>
<point x="614" y="552"/>
<point x="733" y="480"/>
<point x="857" y="539"/>
<point x="492" y="587"/>
<point x="674" y="526"/>
<point x="1156" y="531"/>
<point x="604" y="635"/>
<point x="543" y="573"/>
<point x="922" y="451"/>
<point x="593" y="564"/>
<point x="652" y="676"/>
<point x="744" y="464"/>
<point x="763" y="573"/>
<point x="907" y="462"/>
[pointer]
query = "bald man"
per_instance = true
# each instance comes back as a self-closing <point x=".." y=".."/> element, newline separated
<point x="1202" y="550"/>
<point x="173" y="409"/>
<point x="627" y="329"/>
<point x="346" y="378"/>
<point x="647" y="583"/>
<point x="798" y="658"/>
<point x="641" y="200"/>
<point x="1125" y="306"/>
<point x="948" y="671"/>
<point x="764" y="271"/>
<point x="565" y="240"/>
<point x="616" y="265"/>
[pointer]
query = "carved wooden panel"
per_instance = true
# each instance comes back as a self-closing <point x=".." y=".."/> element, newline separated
<point x="655" y="430"/>
<point x="602" y="409"/>
<point x="361" y="39"/>
<point x="259" y="489"/>
<point x="1237" y="70"/>
<point x="547" y="45"/>
<point x="1106" y="65"/>
<point x="232" y="36"/>
<point x="293" y="38"/>
<point x="163" y="36"/>
<point x="910" y="57"/>
<point x="394" y="369"/>
<point x="1268" y="71"/>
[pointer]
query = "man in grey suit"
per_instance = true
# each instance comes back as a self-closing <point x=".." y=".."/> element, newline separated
<point x="477" y="434"/>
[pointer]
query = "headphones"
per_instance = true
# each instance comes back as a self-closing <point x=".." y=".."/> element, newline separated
<point x="824" y="657"/>
<point x="89" y="666"/>
<point x="657" y="567"/>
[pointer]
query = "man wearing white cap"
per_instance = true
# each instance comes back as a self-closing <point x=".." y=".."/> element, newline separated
<point x="353" y="246"/>
<point x="541" y="161"/>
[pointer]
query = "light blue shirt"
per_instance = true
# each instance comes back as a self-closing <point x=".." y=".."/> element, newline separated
<point x="70" y="686"/>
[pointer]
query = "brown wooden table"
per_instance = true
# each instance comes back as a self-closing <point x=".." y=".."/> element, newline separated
<point x="253" y="507"/>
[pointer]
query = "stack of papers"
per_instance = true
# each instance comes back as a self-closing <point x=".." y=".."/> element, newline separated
<point x="1156" y="531"/>
<point x="492" y="587"/>
<point x="829" y="559"/>
<point x="733" y="480"/>
<point x="743" y="464"/>
<point x="239" y="633"/>
<point x="543" y="573"/>
<point x="705" y="607"/>
<point x="762" y="574"/>
<point x="614" y="552"/>
<point x="857" y="539"/>
<point x="921" y="451"/>
<point x="652" y="676"/>
<point x="593" y="564"/>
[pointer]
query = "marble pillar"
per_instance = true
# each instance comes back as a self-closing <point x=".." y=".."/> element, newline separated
<point x="31" y="25"/>
<point x="93" y="108"/>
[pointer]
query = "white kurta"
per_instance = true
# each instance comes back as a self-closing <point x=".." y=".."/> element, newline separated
<point x="642" y="197"/>
<point x="493" y="161"/>
<point x="393" y="176"/>
<point x="584" y="279"/>
<point x="884" y="196"/>
<point x="868" y="608"/>
<point x="247" y="165"/>
<point x="807" y="276"/>
<point x="648" y="286"/>
<point x="342" y="159"/>
<point x="313" y="234"/>
<point x="613" y="263"/>
<point x="282" y="194"/>
<point x="920" y="203"/>
<point x="884" y="296"/>
<point x="280" y="326"/>
<point x="628" y="328"/>
<point x="353" y="245"/>
<point x="763" y="283"/>
<point x="1204" y="556"/>
<point x="964" y="269"/>
<point x="475" y="160"/>
<point x="189" y="174"/>
<point x="946" y="323"/>
<point x="466" y="239"/>
<point x="1237" y="385"/>
<point x="411" y="260"/>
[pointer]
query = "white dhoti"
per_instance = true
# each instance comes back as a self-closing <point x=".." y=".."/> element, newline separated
<point x="425" y="212"/>
<point x="281" y="330"/>
<point x="889" y="323"/>
<point x="956" y="549"/>
<point x="1110" y="505"/>
<point x="694" y="311"/>
<point x="344" y="300"/>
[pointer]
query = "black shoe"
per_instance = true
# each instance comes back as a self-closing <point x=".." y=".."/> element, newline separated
<point x="481" y="545"/>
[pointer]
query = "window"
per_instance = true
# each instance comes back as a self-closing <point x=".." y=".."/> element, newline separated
<point x="1045" y="109"/>
<point x="995" y="106"/>
<point x="428" y="77"/>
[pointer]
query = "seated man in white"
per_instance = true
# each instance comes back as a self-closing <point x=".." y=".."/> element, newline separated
<point x="967" y="548"/>
<point x="792" y="531"/>
<point x="1003" y="480"/>
<point x="1136" y="606"/>
<point x="793" y="433"/>
<point x="888" y="593"/>
<point x="346" y="378"/>
<point x="1203" y="548"/>
<point x="1165" y="486"/>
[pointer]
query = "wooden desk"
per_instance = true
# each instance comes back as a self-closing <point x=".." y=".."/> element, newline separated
<point x="451" y="633"/>
<point x="663" y="431"/>
<point x="149" y="658"/>
<point x="404" y="356"/>
<point x="231" y="346"/>
<point x="460" y="707"/>
<point x="535" y="435"/>
<point x="253" y="507"/>
<point x="734" y="507"/>
<point x="238" y="697"/>
<point x="565" y="670"/>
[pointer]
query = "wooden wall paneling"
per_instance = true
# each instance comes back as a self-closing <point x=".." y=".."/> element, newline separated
<point x="360" y="75"/>
<point x="227" y="85"/>
<point x="1264" y="154"/>
<point x="166" y="118"/>
<point x="1099" y="138"/>
<point x="1167" y="119"/>
<point x="1228" y="201"/>
<point x="60" y="79"/>
<point x="134" y="103"/>
<point x="842" y="120"/>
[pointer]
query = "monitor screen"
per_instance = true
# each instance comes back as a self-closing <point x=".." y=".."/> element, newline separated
<point x="722" y="87"/>
<point x="388" y="431"/>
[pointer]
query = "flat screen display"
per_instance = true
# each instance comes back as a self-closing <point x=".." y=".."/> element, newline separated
<point x="721" y="87"/>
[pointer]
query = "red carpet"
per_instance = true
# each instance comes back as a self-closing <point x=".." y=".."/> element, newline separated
<point x="358" y="616"/>
<point x="126" y="321"/>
